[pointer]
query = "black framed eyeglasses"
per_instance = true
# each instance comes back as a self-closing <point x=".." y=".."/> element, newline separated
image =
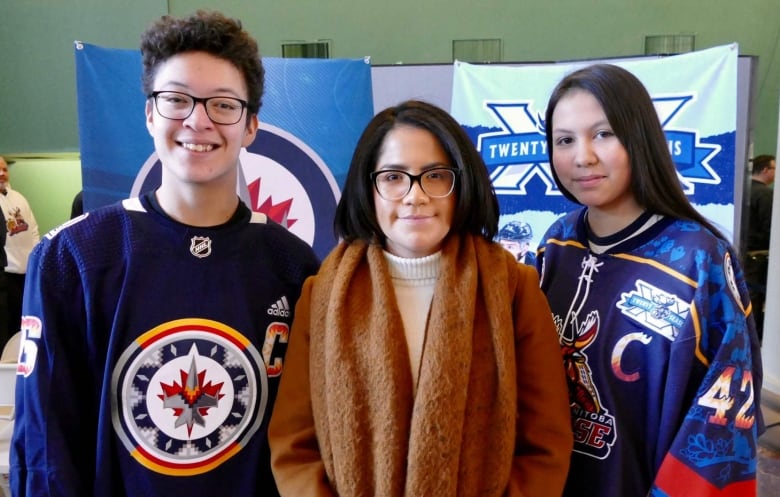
<point x="394" y="184"/>
<point x="178" y="106"/>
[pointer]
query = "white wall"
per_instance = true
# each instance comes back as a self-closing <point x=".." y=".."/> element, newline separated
<point x="770" y="350"/>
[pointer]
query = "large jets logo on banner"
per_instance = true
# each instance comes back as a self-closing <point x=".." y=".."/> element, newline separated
<point x="281" y="177"/>
<point x="518" y="153"/>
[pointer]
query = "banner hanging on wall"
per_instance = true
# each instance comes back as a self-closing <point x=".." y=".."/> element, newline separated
<point x="695" y="94"/>
<point x="312" y="115"/>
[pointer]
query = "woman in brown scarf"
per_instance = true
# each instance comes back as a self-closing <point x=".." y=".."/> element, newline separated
<point x="423" y="359"/>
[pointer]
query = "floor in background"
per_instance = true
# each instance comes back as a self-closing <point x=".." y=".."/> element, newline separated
<point x="769" y="449"/>
<point x="768" y="472"/>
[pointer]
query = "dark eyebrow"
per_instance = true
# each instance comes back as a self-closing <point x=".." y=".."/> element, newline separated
<point x="185" y="88"/>
<point x="402" y="167"/>
<point x="597" y="125"/>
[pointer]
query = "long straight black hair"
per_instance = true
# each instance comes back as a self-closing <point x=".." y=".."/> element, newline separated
<point x="634" y="120"/>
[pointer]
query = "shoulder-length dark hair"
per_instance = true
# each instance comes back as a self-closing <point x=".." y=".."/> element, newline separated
<point x="476" y="209"/>
<point x="633" y="118"/>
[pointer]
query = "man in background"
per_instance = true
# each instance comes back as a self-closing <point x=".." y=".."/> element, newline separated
<point x="21" y="236"/>
<point x="5" y="328"/>
<point x="759" y="224"/>
<point x="516" y="236"/>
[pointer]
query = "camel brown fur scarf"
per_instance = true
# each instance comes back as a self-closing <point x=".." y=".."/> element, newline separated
<point x="457" y="436"/>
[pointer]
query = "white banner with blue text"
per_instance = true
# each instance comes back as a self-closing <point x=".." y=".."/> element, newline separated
<point x="695" y="95"/>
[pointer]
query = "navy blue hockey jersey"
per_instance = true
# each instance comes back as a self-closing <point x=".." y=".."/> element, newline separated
<point x="152" y="353"/>
<point x="662" y="361"/>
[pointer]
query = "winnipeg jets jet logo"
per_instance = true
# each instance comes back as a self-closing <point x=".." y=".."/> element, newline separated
<point x="188" y="396"/>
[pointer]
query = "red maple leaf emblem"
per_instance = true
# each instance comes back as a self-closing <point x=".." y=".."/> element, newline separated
<point x="278" y="212"/>
<point x="191" y="399"/>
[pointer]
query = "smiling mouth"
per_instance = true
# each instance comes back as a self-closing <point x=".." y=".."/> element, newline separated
<point x="588" y="180"/>
<point x="198" y="147"/>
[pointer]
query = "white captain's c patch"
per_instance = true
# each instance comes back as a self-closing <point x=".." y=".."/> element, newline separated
<point x="188" y="395"/>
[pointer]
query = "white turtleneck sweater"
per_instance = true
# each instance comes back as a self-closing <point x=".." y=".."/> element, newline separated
<point x="414" y="281"/>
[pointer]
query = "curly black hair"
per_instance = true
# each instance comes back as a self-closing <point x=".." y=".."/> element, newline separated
<point x="204" y="31"/>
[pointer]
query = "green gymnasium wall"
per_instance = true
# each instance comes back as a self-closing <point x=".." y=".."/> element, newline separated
<point x="37" y="75"/>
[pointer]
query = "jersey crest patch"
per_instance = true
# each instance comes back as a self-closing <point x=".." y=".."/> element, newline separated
<point x="187" y="396"/>
<point x="594" y="427"/>
<point x="200" y="246"/>
<point x="731" y="280"/>
<point x="654" y="309"/>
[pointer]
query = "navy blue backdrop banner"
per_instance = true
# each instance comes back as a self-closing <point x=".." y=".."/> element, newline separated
<point x="695" y="95"/>
<point x="312" y="115"/>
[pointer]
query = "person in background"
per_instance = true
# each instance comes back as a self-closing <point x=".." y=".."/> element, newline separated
<point x="154" y="328"/>
<point x="758" y="230"/>
<point x="6" y="330"/>
<point x="423" y="359"/>
<point x="652" y="309"/>
<point x="77" y="206"/>
<point x="516" y="236"/>
<point x="21" y="236"/>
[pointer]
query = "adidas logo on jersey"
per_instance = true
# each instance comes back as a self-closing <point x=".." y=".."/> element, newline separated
<point x="280" y="308"/>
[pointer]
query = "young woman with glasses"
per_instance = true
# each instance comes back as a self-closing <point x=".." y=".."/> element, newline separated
<point x="423" y="359"/>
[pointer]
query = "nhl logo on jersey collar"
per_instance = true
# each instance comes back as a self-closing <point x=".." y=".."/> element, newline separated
<point x="200" y="246"/>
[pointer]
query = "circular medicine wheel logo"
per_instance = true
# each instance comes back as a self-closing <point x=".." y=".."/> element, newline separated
<point x="189" y="395"/>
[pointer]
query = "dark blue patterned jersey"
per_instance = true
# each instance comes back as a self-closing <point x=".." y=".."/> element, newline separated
<point x="152" y="353"/>
<point x="661" y="357"/>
